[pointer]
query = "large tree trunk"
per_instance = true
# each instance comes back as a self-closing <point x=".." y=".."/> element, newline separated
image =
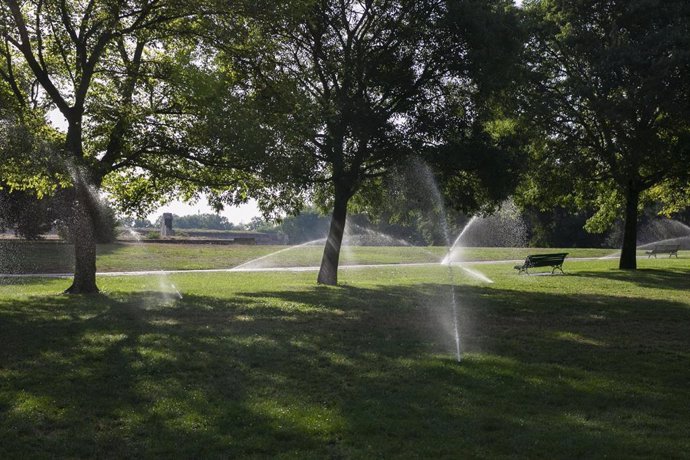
<point x="628" y="260"/>
<point x="83" y="234"/>
<point x="328" y="273"/>
<point x="83" y="219"/>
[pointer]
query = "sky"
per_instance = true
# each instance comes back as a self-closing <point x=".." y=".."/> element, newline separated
<point x="236" y="215"/>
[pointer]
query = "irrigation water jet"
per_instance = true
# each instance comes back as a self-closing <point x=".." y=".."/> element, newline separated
<point x="659" y="232"/>
<point x="447" y="259"/>
<point x="355" y="233"/>
<point x="664" y="232"/>
<point x="254" y="262"/>
<point x="166" y="288"/>
<point x="477" y="274"/>
<point x="457" y="247"/>
<point x="430" y="182"/>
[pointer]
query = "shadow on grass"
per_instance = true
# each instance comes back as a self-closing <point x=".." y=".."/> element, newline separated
<point x="669" y="278"/>
<point x="343" y="372"/>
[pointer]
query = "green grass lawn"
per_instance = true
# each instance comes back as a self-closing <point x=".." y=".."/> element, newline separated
<point x="593" y="364"/>
<point x="52" y="257"/>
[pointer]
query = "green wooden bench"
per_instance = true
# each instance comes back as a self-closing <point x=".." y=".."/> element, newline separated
<point x="543" y="260"/>
<point x="670" y="249"/>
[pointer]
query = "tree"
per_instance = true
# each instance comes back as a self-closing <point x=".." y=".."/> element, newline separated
<point x="344" y="90"/>
<point x="309" y="225"/>
<point x="29" y="175"/>
<point x="609" y="105"/>
<point x="104" y="66"/>
<point x="29" y="216"/>
<point x="135" y="222"/>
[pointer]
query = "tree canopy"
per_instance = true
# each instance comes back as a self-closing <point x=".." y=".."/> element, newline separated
<point x="609" y="105"/>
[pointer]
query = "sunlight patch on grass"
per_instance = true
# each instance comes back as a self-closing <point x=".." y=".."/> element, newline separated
<point x="164" y="322"/>
<point x="150" y="356"/>
<point x="51" y="358"/>
<point x="292" y="414"/>
<point x="295" y="307"/>
<point x="585" y="420"/>
<point x="243" y="318"/>
<point x="94" y="338"/>
<point x="339" y="359"/>
<point x="183" y="411"/>
<point x="33" y="407"/>
<point x="254" y="341"/>
<point x="577" y="338"/>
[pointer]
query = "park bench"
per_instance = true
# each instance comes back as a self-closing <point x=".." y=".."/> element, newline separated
<point x="543" y="260"/>
<point x="670" y="249"/>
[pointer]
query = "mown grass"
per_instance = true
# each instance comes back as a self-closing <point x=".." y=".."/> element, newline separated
<point x="592" y="364"/>
<point x="53" y="257"/>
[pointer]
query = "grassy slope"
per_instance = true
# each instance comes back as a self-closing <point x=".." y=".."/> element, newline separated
<point x="49" y="257"/>
<point x="592" y="364"/>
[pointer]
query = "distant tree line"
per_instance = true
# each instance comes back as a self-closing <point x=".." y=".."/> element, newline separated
<point x="205" y="221"/>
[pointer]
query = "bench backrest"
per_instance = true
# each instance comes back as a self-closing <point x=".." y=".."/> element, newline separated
<point x="543" y="260"/>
